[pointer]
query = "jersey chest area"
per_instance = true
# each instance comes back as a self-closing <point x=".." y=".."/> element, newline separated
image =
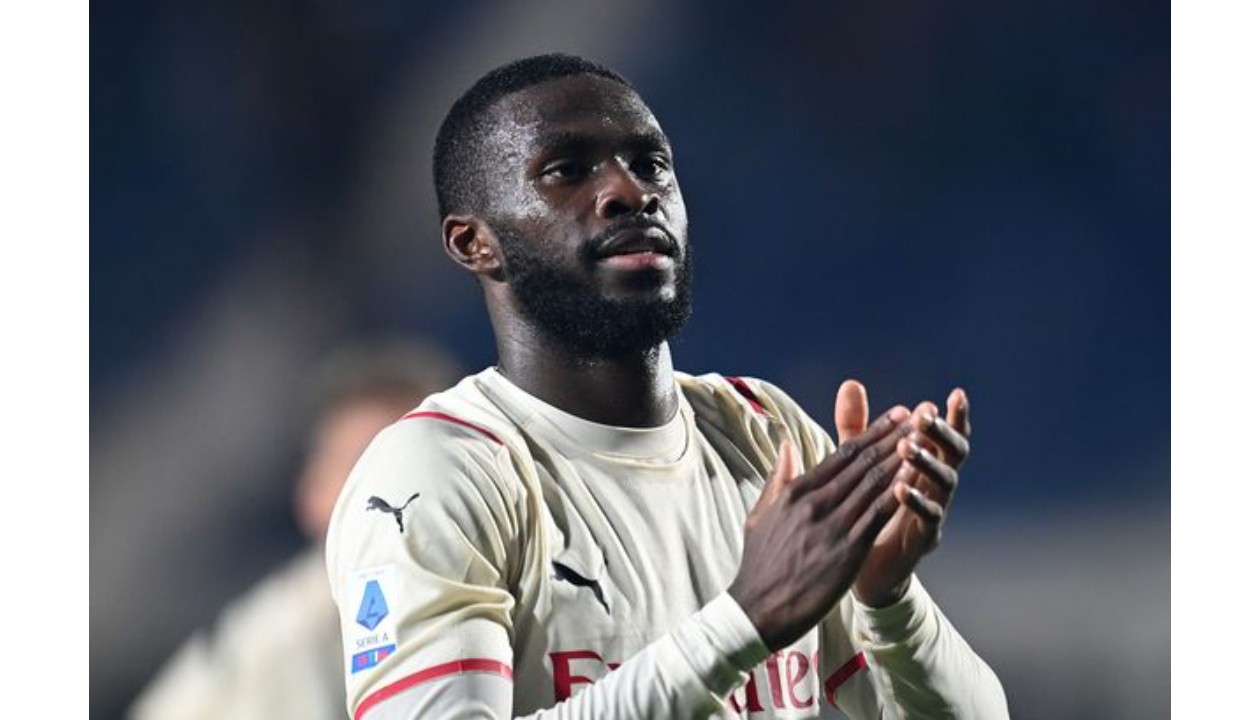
<point x="632" y="548"/>
<point x="617" y="567"/>
<point x="631" y="552"/>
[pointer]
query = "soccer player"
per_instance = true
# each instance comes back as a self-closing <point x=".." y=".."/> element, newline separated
<point x="581" y="530"/>
<point x="274" y="652"/>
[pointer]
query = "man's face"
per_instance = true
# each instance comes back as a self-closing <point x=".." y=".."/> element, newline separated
<point x="589" y="216"/>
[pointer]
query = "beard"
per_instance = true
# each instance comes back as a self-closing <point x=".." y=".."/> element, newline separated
<point x="571" y="311"/>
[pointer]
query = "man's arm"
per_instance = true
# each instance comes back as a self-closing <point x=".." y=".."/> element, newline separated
<point x="889" y="632"/>
<point x="921" y="665"/>
<point x="422" y="557"/>
<point x="687" y="673"/>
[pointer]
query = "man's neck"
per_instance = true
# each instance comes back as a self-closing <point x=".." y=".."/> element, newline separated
<point x="630" y="391"/>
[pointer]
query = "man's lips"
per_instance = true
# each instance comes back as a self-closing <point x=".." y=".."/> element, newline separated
<point x="650" y="240"/>
<point x="638" y="261"/>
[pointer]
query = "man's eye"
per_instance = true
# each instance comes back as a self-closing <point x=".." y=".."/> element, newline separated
<point x="652" y="166"/>
<point x="562" y="170"/>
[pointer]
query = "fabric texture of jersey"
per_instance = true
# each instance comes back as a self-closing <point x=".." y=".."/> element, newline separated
<point x="492" y="555"/>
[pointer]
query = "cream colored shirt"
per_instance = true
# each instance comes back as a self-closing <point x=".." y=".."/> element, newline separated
<point x="272" y="655"/>
<point x="494" y="556"/>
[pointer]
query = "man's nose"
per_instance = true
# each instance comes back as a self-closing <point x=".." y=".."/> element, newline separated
<point x="621" y="193"/>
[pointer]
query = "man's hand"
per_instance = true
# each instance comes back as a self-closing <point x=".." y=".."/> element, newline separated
<point x="924" y="487"/>
<point x="807" y="536"/>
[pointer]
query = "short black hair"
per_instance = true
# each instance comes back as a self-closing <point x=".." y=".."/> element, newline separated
<point x="459" y="150"/>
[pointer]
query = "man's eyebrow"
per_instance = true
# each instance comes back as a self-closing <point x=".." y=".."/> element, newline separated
<point x="652" y="140"/>
<point x="562" y="139"/>
<point x="568" y="139"/>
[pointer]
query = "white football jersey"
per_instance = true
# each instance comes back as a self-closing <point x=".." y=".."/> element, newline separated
<point x="494" y="556"/>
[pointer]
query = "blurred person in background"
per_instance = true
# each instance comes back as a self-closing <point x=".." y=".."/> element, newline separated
<point x="581" y="531"/>
<point x="275" y="652"/>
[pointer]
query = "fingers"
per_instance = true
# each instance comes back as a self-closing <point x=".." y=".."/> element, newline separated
<point x="940" y="473"/>
<point x="873" y="484"/>
<point x="786" y="467"/>
<point x="958" y="412"/>
<point x="831" y="465"/>
<point x="851" y="411"/>
<point x="864" y="531"/>
<point x="952" y="443"/>
<point x="856" y="486"/>
<point x="832" y="483"/>
<point x="927" y="510"/>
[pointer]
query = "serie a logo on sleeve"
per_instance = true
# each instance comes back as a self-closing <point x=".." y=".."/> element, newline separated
<point x="371" y="638"/>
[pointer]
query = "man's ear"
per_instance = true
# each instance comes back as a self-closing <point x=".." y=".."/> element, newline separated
<point x="471" y="243"/>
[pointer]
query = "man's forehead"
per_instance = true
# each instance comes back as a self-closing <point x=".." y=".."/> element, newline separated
<point x="575" y="106"/>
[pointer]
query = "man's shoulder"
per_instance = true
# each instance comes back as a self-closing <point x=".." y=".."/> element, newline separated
<point x="458" y="420"/>
<point x="463" y="409"/>
<point x="456" y="445"/>
<point x="738" y="394"/>
<point x="444" y="462"/>
<point x="752" y="413"/>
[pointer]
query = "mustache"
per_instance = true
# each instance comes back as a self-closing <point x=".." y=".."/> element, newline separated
<point x="597" y="243"/>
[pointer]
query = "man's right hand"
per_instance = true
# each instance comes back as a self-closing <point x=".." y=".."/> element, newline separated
<point x="807" y="536"/>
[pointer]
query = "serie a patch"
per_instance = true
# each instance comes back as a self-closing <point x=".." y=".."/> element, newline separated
<point x="371" y="638"/>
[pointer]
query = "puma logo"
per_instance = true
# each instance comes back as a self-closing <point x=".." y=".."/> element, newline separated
<point x="375" y="503"/>
<point x="571" y="576"/>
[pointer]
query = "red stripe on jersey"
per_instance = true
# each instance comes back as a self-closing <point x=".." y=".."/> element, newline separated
<point x="838" y="678"/>
<point x="453" y="419"/>
<point x="747" y="392"/>
<point x="456" y="667"/>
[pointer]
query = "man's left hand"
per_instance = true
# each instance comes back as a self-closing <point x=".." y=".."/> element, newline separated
<point x="924" y="487"/>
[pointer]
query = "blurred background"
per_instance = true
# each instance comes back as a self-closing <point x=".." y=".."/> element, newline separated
<point x="919" y="195"/>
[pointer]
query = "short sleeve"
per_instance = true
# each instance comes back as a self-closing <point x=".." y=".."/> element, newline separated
<point x="422" y="559"/>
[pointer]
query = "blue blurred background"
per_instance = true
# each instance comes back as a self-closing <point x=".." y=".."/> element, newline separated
<point x="916" y="194"/>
